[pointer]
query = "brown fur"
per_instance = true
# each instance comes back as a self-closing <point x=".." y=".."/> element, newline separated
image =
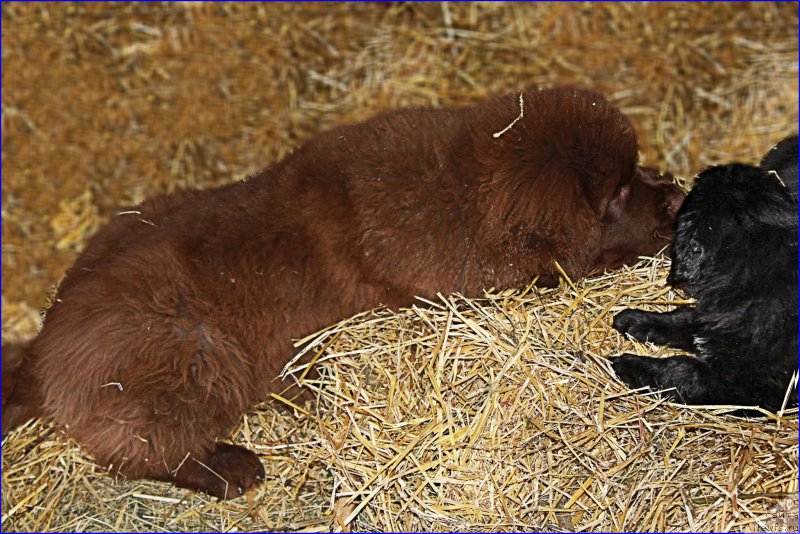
<point x="176" y="319"/>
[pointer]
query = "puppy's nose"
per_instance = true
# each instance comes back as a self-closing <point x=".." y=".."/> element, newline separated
<point x="673" y="281"/>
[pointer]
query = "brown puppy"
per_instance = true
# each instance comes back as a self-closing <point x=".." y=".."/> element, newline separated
<point x="179" y="314"/>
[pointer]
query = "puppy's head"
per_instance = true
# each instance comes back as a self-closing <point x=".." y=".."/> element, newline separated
<point x="732" y="229"/>
<point x="639" y="218"/>
<point x="565" y="171"/>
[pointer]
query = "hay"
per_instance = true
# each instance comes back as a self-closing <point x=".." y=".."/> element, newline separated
<point x="511" y="419"/>
<point x="501" y="414"/>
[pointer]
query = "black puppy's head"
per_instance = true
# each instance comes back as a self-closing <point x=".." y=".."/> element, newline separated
<point x="734" y="223"/>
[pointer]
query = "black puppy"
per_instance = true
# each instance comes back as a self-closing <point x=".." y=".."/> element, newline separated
<point x="735" y="252"/>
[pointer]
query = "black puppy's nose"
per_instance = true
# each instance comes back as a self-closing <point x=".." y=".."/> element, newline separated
<point x="674" y="278"/>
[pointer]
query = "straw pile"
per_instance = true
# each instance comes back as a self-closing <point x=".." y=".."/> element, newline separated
<point x="501" y="414"/>
<point x="493" y="413"/>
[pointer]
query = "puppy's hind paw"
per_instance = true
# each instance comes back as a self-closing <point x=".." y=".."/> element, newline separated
<point x="226" y="473"/>
<point x="240" y="468"/>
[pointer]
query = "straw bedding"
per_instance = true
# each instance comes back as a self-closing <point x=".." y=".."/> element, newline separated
<point x="496" y="413"/>
<point x="499" y="413"/>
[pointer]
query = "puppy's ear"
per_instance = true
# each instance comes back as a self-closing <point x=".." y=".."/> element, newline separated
<point x="603" y="179"/>
<point x="615" y="206"/>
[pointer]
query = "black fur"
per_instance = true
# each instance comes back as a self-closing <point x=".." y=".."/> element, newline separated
<point x="735" y="252"/>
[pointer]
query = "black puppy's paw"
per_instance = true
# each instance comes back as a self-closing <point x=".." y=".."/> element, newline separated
<point x="637" y="323"/>
<point x="635" y="371"/>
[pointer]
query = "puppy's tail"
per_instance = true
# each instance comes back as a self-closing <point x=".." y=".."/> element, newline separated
<point x="21" y="394"/>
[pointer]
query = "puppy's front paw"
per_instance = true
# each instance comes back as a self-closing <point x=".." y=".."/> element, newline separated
<point x="636" y="323"/>
<point x="634" y="371"/>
